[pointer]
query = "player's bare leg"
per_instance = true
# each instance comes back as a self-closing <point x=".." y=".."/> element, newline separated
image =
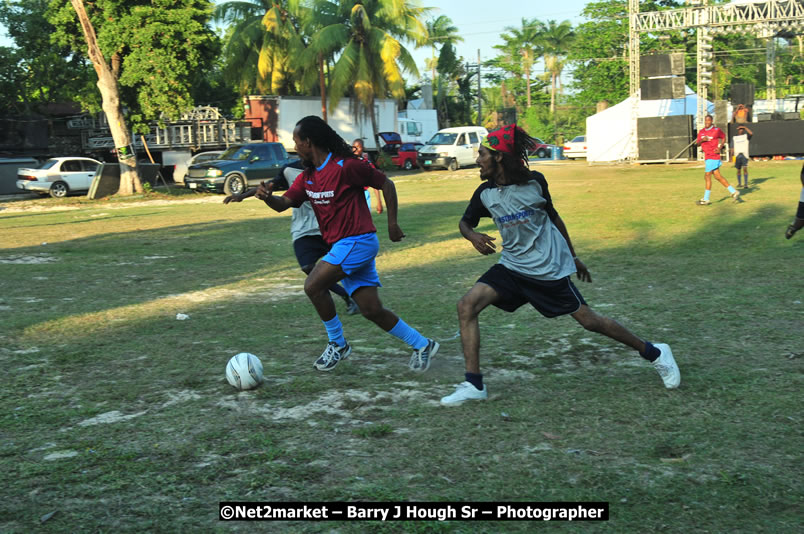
<point x="595" y="322"/>
<point x="719" y="178"/>
<point x="469" y="307"/>
<point x="317" y="285"/>
<point x="368" y="300"/>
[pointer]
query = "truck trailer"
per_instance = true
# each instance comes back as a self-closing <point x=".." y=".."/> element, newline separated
<point x="275" y="117"/>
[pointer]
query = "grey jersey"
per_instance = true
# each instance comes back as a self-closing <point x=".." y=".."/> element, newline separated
<point x="524" y="214"/>
<point x="303" y="221"/>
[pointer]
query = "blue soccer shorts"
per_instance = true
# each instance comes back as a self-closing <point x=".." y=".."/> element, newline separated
<point x="712" y="165"/>
<point x="355" y="255"/>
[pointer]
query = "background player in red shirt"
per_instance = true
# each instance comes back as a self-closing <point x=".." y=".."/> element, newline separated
<point x="711" y="139"/>
<point x="333" y="182"/>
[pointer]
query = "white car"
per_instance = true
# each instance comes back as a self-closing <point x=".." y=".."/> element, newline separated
<point x="59" y="176"/>
<point x="575" y="148"/>
<point x="180" y="168"/>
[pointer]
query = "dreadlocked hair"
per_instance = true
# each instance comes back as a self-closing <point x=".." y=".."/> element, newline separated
<point x="515" y="164"/>
<point x="321" y="134"/>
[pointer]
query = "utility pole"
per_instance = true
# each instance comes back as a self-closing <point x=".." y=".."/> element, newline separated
<point x="479" y="94"/>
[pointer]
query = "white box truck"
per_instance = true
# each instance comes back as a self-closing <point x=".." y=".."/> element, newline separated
<point x="418" y="125"/>
<point x="277" y="117"/>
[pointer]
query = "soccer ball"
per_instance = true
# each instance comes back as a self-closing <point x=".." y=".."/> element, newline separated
<point x="244" y="371"/>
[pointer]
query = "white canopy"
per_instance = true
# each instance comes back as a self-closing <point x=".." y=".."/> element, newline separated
<point x="609" y="133"/>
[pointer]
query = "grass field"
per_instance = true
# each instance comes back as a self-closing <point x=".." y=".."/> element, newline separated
<point x="118" y="417"/>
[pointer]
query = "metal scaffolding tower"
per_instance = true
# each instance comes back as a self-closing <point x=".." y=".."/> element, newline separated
<point x="763" y="19"/>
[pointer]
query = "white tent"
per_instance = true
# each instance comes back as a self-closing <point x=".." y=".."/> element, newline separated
<point x="609" y="133"/>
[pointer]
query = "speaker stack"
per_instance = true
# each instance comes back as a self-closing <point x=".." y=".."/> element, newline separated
<point x="661" y="73"/>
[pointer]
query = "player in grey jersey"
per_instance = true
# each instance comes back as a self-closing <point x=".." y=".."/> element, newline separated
<point x="535" y="264"/>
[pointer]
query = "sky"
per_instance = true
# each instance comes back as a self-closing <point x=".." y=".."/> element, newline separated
<point x="480" y="22"/>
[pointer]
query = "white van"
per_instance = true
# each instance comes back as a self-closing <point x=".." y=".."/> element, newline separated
<point x="452" y="148"/>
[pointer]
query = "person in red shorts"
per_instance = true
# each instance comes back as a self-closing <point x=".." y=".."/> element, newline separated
<point x="711" y="139"/>
<point x="333" y="182"/>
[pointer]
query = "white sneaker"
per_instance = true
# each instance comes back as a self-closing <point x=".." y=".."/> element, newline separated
<point x="465" y="391"/>
<point x="666" y="366"/>
<point x="703" y="202"/>
<point x="736" y="196"/>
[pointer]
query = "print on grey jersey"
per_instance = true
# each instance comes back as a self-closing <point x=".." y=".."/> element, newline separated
<point x="531" y="243"/>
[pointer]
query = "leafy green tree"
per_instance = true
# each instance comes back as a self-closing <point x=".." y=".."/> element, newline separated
<point x="367" y="37"/>
<point x="525" y="42"/>
<point x="440" y="32"/>
<point x="555" y="39"/>
<point x="263" y="44"/>
<point x="157" y="50"/>
<point x="37" y="71"/>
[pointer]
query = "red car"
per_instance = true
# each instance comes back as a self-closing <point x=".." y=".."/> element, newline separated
<point x="406" y="156"/>
<point x="403" y="155"/>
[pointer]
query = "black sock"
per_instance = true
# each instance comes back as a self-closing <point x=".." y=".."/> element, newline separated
<point x="651" y="352"/>
<point x="476" y="380"/>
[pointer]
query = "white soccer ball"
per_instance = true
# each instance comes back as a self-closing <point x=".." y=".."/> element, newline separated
<point x="244" y="371"/>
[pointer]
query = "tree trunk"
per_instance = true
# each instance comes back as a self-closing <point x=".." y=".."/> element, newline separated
<point x="110" y="94"/>
<point x="374" y="126"/>
<point x="323" y="87"/>
<point x="553" y="93"/>
<point x="527" y="81"/>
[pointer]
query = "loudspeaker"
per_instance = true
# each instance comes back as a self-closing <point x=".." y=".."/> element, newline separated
<point x="790" y="115"/>
<point x="742" y="93"/>
<point x="661" y="65"/>
<point x="721" y="113"/>
<point x="661" y="138"/>
<point x="762" y="117"/>
<point x="662" y="88"/>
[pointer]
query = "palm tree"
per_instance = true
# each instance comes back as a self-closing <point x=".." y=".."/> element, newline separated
<point x="526" y="42"/>
<point x="365" y="35"/>
<point x="440" y="31"/>
<point x="262" y="44"/>
<point x="555" y="39"/>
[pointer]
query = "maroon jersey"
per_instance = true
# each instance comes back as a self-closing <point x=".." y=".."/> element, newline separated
<point x="710" y="148"/>
<point x="335" y="190"/>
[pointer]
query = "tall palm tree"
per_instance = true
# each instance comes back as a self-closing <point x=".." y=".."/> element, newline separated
<point x="441" y="31"/>
<point x="262" y="43"/>
<point x="555" y="39"/>
<point x="366" y="36"/>
<point x="526" y="41"/>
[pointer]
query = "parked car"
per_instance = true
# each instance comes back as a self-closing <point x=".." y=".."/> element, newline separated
<point x="238" y="168"/>
<point x="180" y="168"/>
<point x="407" y="155"/>
<point x="402" y="154"/>
<point x="576" y="148"/>
<point x="59" y="176"/>
<point x="541" y="149"/>
<point x="452" y="147"/>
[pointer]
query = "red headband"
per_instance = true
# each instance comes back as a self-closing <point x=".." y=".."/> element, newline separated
<point x="502" y="140"/>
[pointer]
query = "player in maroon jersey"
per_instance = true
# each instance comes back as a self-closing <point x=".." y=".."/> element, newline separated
<point x="333" y="182"/>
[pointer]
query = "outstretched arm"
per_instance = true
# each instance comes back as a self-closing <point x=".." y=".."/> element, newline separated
<point x="581" y="270"/>
<point x="241" y="197"/>
<point x="483" y="243"/>
<point x="389" y="193"/>
<point x="265" y="192"/>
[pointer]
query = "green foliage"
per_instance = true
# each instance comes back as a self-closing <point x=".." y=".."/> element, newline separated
<point x="37" y="72"/>
<point x="160" y="49"/>
<point x="384" y="162"/>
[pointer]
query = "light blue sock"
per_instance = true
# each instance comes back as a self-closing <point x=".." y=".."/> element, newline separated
<point x="409" y="335"/>
<point x="707" y="193"/>
<point x="335" y="331"/>
<point x="731" y="189"/>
